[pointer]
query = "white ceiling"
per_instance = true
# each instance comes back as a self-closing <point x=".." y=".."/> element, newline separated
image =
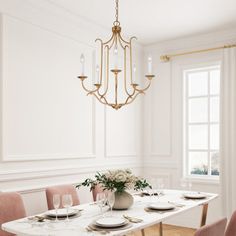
<point x="157" y="20"/>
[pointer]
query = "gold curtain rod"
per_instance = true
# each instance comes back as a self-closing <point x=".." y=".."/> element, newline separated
<point x="166" y="58"/>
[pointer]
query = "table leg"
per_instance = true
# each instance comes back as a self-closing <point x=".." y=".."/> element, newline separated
<point x="204" y="214"/>
<point x="160" y="229"/>
<point x="142" y="232"/>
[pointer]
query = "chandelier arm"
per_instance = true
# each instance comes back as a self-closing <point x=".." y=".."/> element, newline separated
<point x="112" y="42"/>
<point x="142" y="90"/>
<point x="127" y="99"/>
<point x="99" y="99"/>
<point x="87" y="90"/>
<point x="108" y="41"/>
<point x="105" y="100"/>
<point x="107" y="74"/>
<point x="134" y="98"/>
<point x="124" y="41"/>
<point x="125" y="79"/>
<point x="106" y="103"/>
<point x="132" y="38"/>
<point x="121" y="43"/>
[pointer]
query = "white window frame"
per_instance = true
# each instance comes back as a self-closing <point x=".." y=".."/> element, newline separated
<point x="186" y="123"/>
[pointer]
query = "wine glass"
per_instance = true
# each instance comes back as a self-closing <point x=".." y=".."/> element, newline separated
<point x="111" y="200"/>
<point x="67" y="203"/>
<point x="56" y="203"/>
<point x="160" y="186"/>
<point x="101" y="199"/>
<point x="186" y="184"/>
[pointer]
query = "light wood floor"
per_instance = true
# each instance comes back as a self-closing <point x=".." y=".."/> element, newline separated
<point x="168" y="230"/>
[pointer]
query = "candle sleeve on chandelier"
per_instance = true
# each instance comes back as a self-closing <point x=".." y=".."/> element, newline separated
<point x="149" y="65"/>
<point x="82" y="60"/>
<point x="115" y="57"/>
<point x="134" y="74"/>
<point x="97" y="81"/>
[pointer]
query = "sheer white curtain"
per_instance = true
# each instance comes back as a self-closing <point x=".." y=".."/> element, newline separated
<point x="228" y="131"/>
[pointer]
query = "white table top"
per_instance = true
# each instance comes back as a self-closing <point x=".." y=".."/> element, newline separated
<point x="77" y="226"/>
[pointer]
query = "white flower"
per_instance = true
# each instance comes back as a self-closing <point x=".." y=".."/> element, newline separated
<point x="120" y="176"/>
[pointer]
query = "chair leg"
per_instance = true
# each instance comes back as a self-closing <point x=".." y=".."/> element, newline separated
<point x="142" y="232"/>
<point x="204" y="214"/>
<point x="160" y="229"/>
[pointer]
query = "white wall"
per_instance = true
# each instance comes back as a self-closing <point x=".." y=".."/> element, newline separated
<point x="163" y="116"/>
<point x="51" y="132"/>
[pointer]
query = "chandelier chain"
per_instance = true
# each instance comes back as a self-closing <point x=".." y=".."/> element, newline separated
<point x="117" y="13"/>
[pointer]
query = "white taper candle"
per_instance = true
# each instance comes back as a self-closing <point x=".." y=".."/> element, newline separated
<point x="97" y="81"/>
<point x="82" y="60"/>
<point x="149" y="65"/>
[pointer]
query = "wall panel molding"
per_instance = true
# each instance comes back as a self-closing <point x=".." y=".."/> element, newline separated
<point x="106" y="153"/>
<point x="45" y="156"/>
<point x="29" y="174"/>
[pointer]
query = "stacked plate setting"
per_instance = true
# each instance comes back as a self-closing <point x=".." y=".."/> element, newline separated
<point x="62" y="213"/>
<point x="161" y="206"/>
<point x="194" y="195"/>
<point x="110" y="223"/>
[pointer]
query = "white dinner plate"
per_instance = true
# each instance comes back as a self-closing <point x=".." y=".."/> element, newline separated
<point x="110" y="222"/>
<point x="61" y="212"/>
<point x="194" y="195"/>
<point x="161" y="206"/>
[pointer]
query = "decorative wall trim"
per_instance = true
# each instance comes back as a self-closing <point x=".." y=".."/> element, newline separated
<point x="39" y="157"/>
<point x="29" y="174"/>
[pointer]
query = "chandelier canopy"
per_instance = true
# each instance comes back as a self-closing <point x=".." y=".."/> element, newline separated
<point x="116" y="61"/>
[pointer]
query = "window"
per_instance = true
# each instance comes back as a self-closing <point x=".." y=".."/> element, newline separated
<point x="201" y="121"/>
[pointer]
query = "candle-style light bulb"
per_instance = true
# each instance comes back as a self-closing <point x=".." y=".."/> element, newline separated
<point x="134" y="73"/>
<point x="149" y="65"/>
<point x="115" y="54"/>
<point x="82" y="60"/>
<point x="97" y="74"/>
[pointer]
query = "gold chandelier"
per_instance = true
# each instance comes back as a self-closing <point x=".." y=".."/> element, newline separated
<point x="110" y="92"/>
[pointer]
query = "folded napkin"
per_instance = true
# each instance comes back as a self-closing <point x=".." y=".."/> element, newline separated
<point x="132" y="219"/>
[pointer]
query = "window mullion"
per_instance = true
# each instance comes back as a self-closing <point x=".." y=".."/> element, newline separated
<point x="187" y="126"/>
<point x="209" y="130"/>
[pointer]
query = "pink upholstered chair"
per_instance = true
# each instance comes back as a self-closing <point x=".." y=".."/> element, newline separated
<point x="231" y="228"/>
<point x="96" y="190"/>
<point x="11" y="208"/>
<point x="61" y="190"/>
<point x="215" y="229"/>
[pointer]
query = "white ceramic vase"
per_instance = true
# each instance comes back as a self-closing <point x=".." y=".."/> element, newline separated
<point x="123" y="200"/>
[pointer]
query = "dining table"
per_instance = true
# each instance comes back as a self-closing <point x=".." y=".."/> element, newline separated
<point x="138" y="217"/>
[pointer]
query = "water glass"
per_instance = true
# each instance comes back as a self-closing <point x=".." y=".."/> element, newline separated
<point x="160" y="186"/>
<point x="186" y="184"/>
<point x="56" y="203"/>
<point x="67" y="202"/>
<point x="101" y="200"/>
<point x="111" y="200"/>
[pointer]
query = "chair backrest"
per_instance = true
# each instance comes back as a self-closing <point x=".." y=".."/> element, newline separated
<point x="98" y="189"/>
<point x="11" y="208"/>
<point x="215" y="229"/>
<point x="231" y="228"/>
<point x="61" y="190"/>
